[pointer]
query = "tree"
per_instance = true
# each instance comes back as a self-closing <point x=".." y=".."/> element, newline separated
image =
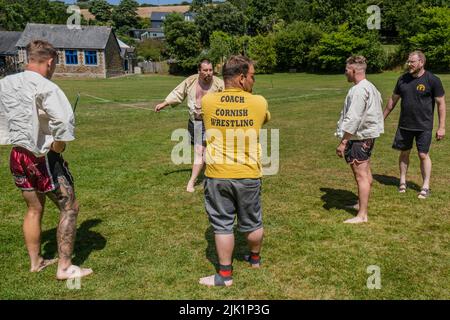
<point x="261" y="14"/>
<point x="14" y="15"/>
<point x="294" y="43"/>
<point x="150" y="49"/>
<point x="221" y="17"/>
<point x="182" y="41"/>
<point x="334" y="48"/>
<point x="102" y="10"/>
<point x="125" y="15"/>
<point x="261" y="49"/>
<point x="196" y="5"/>
<point x="433" y="38"/>
<point x="222" y="46"/>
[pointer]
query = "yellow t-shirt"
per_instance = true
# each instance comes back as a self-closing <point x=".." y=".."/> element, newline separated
<point x="233" y="119"/>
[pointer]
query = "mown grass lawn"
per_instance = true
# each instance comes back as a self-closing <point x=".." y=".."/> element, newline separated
<point x="146" y="238"/>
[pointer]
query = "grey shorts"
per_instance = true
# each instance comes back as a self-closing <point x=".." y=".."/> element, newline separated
<point x="197" y="132"/>
<point x="226" y="198"/>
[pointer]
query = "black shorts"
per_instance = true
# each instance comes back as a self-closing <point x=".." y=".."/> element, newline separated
<point x="403" y="140"/>
<point x="194" y="128"/>
<point x="358" y="150"/>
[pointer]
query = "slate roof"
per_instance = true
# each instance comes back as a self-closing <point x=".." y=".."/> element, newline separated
<point x="60" y="36"/>
<point x="8" y="40"/>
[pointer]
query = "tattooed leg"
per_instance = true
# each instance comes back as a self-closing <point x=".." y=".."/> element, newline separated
<point x="64" y="198"/>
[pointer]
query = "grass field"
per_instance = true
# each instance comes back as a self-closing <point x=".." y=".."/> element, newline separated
<point x="146" y="238"/>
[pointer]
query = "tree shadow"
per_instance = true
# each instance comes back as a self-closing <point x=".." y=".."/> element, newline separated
<point x="240" y="247"/>
<point x="86" y="242"/>
<point x="394" y="181"/>
<point x="339" y="199"/>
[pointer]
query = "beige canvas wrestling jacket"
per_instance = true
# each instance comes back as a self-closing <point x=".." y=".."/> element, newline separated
<point x="188" y="88"/>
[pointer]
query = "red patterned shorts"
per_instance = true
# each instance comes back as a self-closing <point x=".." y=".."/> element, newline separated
<point x="39" y="174"/>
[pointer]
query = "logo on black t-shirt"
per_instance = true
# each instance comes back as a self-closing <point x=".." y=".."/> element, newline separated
<point x="421" y="87"/>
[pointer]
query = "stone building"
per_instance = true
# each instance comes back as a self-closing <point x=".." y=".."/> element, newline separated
<point x="9" y="55"/>
<point x="92" y="51"/>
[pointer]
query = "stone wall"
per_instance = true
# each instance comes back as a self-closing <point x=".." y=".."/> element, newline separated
<point x="78" y="70"/>
<point x="114" y="62"/>
<point x="109" y="62"/>
<point x="81" y="69"/>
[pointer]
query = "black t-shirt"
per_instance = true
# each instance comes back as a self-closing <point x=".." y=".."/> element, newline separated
<point x="418" y="100"/>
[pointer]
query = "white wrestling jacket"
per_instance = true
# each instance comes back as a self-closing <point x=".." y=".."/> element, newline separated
<point x="34" y="112"/>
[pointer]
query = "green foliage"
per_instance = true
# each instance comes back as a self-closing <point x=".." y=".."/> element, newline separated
<point x="14" y="15"/>
<point x="125" y="15"/>
<point x="261" y="49"/>
<point x="334" y="48"/>
<point x="196" y="5"/>
<point x="294" y="43"/>
<point x="150" y="49"/>
<point x="433" y="38"/>
<point x="221" y="17"/>
<point x="261" y="14"/>
<point x="183" y="41"/>
<point x="102" y="10"/>
<point x="222" y="46"/>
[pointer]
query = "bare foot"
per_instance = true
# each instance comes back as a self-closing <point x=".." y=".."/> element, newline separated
<point x="73" y="272"/>
<point x="43" y="264"/>
<point x="356" y="220"/>
<point x="210" y="282"/>
<point x="190" y="187"/>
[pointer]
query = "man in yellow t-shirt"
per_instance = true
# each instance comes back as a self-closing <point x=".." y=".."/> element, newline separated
<point x="233" y="120"/>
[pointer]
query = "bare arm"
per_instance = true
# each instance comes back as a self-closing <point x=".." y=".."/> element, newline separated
<point x="391" y="105"/>
<point x="440" y="133"/>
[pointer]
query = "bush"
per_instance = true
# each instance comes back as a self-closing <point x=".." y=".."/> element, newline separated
<point x="261" y="49"/>
<point x="433" y="38"/>
<point x="334" y="48"/>
<point x="150" y="49"/>
<point x="293" y="45"/>
<point x="222" y="46"/>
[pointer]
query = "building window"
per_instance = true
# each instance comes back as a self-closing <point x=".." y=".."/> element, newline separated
<point x="71" y="57"/>
<point x="90" y="58"/>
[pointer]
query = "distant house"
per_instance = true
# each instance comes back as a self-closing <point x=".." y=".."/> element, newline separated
<point x="157" y="23"/>
<point x="9" y="55"/>
<point x="151" y="33"/>
<point x="91" y="51"/>
<point x="128" y="55"/>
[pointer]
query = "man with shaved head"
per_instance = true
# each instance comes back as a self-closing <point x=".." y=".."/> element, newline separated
<point x="37" y="120"/>
<point x="360" y="124"/>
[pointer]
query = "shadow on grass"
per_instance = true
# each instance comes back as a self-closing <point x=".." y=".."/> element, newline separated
<point x="86" y="242"/>
<point x="176" y="171"/>
<point x="240" y="247"/>
<point x="339" y="199"/>
<point x="394" y="181"/>
<point x="200" y="178"/>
